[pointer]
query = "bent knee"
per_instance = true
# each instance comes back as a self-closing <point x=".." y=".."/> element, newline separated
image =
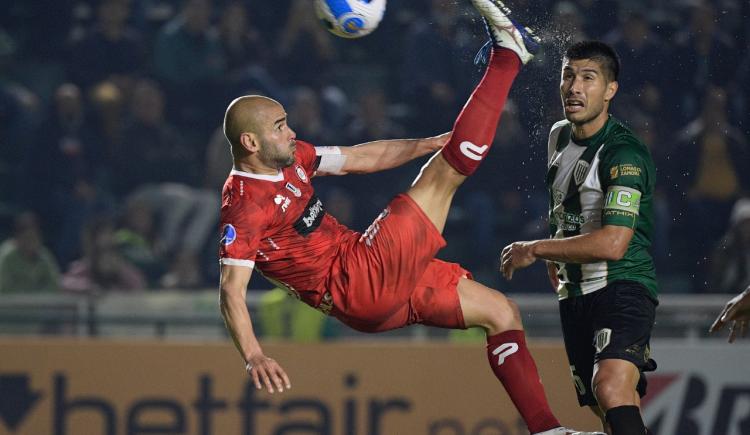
<point x="612" y="390"/>
<point x="487" y="308"/>
<point x="502" y="314"/>
<point x="605" y="388"/>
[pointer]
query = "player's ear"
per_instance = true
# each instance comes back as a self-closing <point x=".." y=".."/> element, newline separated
<point x="611" y="90"/>
<point x="249" y="142"/>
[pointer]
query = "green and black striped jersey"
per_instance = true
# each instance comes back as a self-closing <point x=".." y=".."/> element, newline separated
<point x="607" y="179"/>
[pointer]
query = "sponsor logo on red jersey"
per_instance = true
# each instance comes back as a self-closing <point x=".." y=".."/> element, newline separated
<point x="311" y="218"/>
<point x="294" y="189"/>
<point x="283" y="201"/>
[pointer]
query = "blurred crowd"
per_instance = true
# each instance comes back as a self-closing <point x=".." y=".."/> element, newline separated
<point x="112" y="157"/>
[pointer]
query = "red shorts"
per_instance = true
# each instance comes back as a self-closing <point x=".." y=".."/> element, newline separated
<point x="389" y="277"/>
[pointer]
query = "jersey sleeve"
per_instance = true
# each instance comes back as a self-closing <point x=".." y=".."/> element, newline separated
<point x="626" y="177"/>
<point x="307" y="157"/>
<point x="242" y="228"/>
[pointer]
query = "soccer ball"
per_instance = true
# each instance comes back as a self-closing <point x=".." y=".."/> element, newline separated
<point x="350" y="18"/>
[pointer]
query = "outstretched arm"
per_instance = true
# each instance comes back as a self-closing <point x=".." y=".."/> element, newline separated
<point x="264" y="370"/>
<point x="736" y="312"/>
<point x="386" y="154"/>
<point x="608" y="243"/>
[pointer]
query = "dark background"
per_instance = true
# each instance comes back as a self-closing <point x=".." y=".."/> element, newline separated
<point x="112" y="161"/>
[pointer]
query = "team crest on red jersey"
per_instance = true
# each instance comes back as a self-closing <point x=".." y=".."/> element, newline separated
<point x="301" y="173"/>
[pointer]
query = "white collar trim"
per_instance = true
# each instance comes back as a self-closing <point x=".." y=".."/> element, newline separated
<point x="277" y="177"/>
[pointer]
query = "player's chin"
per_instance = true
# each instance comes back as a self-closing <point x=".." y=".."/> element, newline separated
<point x="573" y="115"/>
<point x="577" y="117"/>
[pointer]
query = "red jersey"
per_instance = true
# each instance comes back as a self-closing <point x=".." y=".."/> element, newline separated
<point x="277" y="224"/>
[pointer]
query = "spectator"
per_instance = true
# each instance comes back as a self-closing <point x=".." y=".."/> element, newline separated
<point x="111" y="50"/>
<point x="242" y="43"/>
<point x="188" y="51"/>
<point x="436" y="71"/>
<point x="248" y="55"/>
<point x="715" y="151"/>
<point x="26" y="265"/>
<point x="640" y="91"/>
<point x="602" y="15"/>
<point x="705" y="55"/>
<point x="305" y="49"/>
<point x="108" y="103"/>
<point x="19" y="120"/>
<point x="568" y="21"/>
<point x="730" y="264"/>
<point x="65" y="170"/>
<point x="102" y="267"/>
<point x="164" y="182"/>
<point x="709" y="169"/>
<point x="372" y="119"/>
<point x="189" y="60"/>
<point x="186" y="221"/>
<point x="218" y="161"/>
<point x="19" y="109"/>
<point x="136" y="240"/>
<point x="512" y="200"/>
<point x="40" y="27"/>
<point x="307" y="114"/>
<point x="152" y="144"/>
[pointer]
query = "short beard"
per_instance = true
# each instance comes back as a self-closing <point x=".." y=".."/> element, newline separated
<point x="274" y="160"/>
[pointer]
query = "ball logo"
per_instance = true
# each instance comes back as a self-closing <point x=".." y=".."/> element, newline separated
<point x="351" y="23"/>
<point x="228" y="235"/>
<point x="301" y="173"/>
<point x="350" y="18"/>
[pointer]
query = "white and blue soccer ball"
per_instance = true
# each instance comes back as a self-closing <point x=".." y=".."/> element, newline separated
<point x="350" y="18"/>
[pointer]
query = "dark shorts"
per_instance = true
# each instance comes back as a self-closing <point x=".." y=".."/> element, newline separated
<point x="612" y="323"/>
<point x="389" y="278"/>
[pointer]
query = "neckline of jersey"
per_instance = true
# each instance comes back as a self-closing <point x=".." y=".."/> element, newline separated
<point x="596" y="137"/>
<point x="277" y="177"/>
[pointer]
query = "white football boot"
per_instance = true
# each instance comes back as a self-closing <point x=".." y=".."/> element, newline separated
<point x="505" y="32"/>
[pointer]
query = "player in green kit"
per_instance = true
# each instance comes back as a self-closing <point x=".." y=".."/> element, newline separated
<point x="600" y="180"/>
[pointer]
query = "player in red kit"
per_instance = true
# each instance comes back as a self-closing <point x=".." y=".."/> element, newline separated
<point x="386" y="277"/>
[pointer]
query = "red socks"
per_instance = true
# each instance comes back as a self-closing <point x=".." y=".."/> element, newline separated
<point x="475" y="126"/>
<point x="513" y="365"/>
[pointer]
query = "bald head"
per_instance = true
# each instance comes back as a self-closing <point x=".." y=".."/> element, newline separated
<point x="247" y="114"/>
